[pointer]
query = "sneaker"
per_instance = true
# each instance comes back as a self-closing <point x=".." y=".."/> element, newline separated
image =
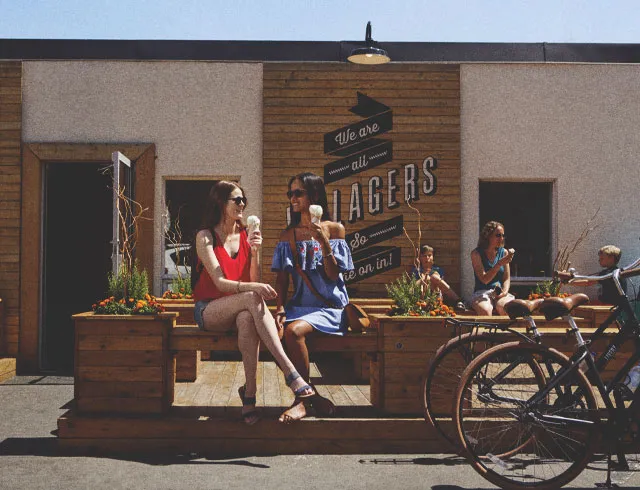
<point x="460" y="306"/>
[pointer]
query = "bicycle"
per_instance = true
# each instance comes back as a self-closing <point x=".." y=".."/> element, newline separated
<point x="467" y="341"/>
<point x="538" y="396"/>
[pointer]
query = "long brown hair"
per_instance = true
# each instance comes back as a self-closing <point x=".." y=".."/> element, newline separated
<point x="217" y="201"/>
<point x="486" y="232"/>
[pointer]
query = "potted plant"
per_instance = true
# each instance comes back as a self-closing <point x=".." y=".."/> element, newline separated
<point x="122" y="358"/>
<point x="410" y="299"/>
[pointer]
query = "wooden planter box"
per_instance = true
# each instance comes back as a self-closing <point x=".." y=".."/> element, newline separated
<point x="123" y="364"/>
<point x="407" y="344"/>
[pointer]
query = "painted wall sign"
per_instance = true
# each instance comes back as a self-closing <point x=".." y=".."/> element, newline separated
<point x="380" y="153"/>
<point x="380" y="137"/>
<point x="373" y="261"/>
<point x="377" y="233"/>
<point x="379" y="120"/>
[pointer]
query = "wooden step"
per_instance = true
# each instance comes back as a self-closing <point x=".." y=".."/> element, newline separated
<point x="219" y="431"/>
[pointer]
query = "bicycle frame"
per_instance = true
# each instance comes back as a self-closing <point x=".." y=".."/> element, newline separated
<point x="594" y="368"/>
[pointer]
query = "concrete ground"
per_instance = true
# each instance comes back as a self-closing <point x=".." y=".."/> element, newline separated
<point x="29" y="407"/>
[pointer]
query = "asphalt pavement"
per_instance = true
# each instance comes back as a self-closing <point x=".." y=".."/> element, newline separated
<point x="29" y="459"/>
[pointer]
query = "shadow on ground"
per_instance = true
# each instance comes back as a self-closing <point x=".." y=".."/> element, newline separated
<point x="48" y="447"/>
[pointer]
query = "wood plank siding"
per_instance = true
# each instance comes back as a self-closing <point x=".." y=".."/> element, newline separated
<point x="10" y="180"/>
<point x="306" y="103"/>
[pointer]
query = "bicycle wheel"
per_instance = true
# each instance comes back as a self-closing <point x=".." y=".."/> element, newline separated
<point x="512" y="441"/>
<point x="443" y="375"/>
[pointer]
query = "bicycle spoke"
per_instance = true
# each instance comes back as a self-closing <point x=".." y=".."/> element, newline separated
<point x="512" y="441"/>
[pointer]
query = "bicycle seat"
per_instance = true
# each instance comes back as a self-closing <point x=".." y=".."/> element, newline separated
<point x="519" y="308"/>
<point x="555" y="307"/>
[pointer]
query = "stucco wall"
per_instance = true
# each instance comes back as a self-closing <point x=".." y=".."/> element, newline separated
<point x="205" y="118"/>
<point x="574" y="124"/>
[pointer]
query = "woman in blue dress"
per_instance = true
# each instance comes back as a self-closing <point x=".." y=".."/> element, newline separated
<point x="322" y="255"/>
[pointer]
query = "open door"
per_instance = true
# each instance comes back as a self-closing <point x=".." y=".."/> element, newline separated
<point x="76" y="253"/>
<point x="66" y="239"/>
<point x="81" y="244"/>
<point x="123" y="181"/>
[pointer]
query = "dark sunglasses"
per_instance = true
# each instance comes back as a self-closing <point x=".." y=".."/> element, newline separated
<point x="499" y="235"/>
<point x="296" y="192"/>
<point x="239" y="200"/>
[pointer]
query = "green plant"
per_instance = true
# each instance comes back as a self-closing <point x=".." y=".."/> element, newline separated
<point x="128" y="289"/>
<point x="411" y="298"/>
<point x="545" y="289"/>
<point x="179" y="288"/>
<point x="127" y="283"/>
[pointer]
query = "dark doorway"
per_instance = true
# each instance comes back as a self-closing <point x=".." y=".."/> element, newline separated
<point x="525" y="210"/>
<point x="77" y="253"/>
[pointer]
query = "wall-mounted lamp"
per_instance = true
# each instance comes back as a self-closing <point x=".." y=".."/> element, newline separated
<point x="370" y="54"/>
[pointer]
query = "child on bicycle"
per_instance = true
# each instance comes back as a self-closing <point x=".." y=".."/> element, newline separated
<point x="608" y="257"/>
<point x="431" y="274"/>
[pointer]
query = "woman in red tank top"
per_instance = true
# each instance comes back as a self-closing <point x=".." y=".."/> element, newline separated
<point x="229" y="295"/>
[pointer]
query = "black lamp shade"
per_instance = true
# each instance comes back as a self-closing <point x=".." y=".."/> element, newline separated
<point x="369" y="54"/>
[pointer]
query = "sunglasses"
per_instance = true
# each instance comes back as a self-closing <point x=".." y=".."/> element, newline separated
<point x="239" y="200"/>
<point x="499" y="235"/>
<point x="296" y="192"/>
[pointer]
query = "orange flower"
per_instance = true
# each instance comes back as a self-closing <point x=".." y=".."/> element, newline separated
<point x="102" y="303"/>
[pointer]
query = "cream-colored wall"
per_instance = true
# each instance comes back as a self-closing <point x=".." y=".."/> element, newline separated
<point x="205" y="118"/>
<point x="576" y="125"/>
<point x="573" y="124"/>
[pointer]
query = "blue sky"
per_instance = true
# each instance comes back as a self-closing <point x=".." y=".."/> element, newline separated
<point x="597" y="21"/>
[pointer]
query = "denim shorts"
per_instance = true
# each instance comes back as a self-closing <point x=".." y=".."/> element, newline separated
<point x="197" y="312"/>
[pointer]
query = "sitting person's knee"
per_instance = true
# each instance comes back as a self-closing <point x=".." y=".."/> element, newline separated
<point x="295" y="332"/>
<point x="244" y="318"/>
<point x="483" y="308"/>
<point x="252" y="298"/>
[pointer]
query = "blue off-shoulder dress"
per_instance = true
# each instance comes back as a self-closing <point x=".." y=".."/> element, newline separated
<point x="304" y="305"/>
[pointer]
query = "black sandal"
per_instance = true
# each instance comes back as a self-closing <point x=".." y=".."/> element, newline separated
<point x="322" y="406"/>
<point x="252" y="416"/>
<point x="300" y="392"/>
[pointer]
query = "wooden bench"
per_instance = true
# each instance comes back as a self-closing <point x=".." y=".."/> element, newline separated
<point x="187" y="359"/>
<point x="191" y="338"/>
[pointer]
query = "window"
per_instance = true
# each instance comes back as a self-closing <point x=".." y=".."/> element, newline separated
<point x="525" y="210"/>
<point x="184" y="201"/>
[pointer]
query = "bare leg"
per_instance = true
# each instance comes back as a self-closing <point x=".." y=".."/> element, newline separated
<point x="503" y="301"/>
<point x="483" y="307"/>
<point x="295" y="335"/>
<point x="220" y="314"/>
<point x="295" y="338"/>
<point x="249" y="345"/>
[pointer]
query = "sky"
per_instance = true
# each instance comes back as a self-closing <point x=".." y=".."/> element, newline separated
<point x="586" y="21"/>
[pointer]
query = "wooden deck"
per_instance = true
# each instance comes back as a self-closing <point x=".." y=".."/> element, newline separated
<point x="218" y="382"/>
<point x="205" y="418"/>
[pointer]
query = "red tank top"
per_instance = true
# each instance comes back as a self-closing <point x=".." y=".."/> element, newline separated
<point x="234" y="269"/>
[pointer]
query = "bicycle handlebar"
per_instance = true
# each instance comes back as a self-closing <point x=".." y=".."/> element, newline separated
<point x="570" y="276"/>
